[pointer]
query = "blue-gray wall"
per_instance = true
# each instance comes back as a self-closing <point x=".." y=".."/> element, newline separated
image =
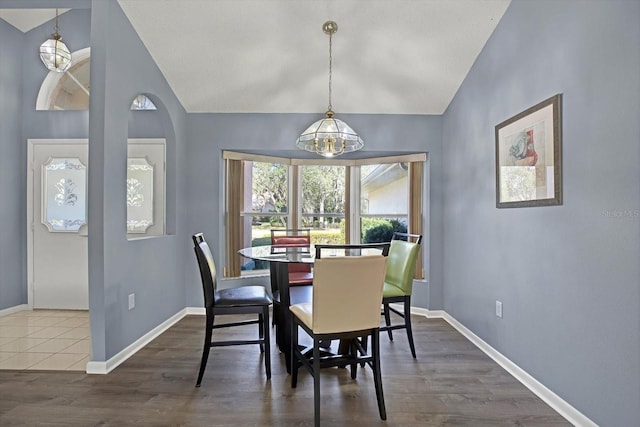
<point x="152" y="268"/>
<point x="209" y="134"/>
<point x="568" y="276"/>
<point x="12" y="175"/>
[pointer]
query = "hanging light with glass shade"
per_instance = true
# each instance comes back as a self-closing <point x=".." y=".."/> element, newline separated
<point x="54" y="53"/>
<point x="329" y="137"/>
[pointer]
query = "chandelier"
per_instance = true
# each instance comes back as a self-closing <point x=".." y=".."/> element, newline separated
<point x="329" y="137"/>
<point x="54" y="53"/>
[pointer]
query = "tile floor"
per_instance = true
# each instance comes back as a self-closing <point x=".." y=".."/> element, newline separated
<point x="52" y="340"/>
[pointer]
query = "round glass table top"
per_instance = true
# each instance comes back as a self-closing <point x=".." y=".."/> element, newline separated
<point x="267" y="253"/>
<point x="301" y="255"/>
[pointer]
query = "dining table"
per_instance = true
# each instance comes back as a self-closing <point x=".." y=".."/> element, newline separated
<point x="285" y="295"/>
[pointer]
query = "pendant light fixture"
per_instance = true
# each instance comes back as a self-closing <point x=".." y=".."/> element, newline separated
<point x="54" y="53"/>
<point x="329" y="137"/>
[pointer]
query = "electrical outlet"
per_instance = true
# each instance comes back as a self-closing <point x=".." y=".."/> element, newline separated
<point x="132" y="301"/>
<point x="499" y="308"/>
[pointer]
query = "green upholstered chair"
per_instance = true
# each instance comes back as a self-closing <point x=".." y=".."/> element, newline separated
<point x="398" y="283"/>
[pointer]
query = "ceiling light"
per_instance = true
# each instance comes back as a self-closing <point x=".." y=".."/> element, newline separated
<point x="54" y="53"/>
<point x="329" y="137"/>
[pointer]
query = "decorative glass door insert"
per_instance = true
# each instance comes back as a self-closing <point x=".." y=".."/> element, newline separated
<point x="64" y="207"/>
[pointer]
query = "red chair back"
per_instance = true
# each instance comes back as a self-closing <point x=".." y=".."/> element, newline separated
<point x="296" y="239"/>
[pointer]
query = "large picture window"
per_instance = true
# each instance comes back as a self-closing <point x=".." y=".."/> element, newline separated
<point x="362" y="201"/>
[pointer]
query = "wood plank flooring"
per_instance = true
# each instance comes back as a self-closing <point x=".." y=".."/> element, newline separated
<point x="451" y="383"/>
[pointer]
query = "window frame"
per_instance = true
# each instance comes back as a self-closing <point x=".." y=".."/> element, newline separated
<point x="416" y="194"/>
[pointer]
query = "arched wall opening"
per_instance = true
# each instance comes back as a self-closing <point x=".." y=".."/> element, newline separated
<point x="152" y="143"/>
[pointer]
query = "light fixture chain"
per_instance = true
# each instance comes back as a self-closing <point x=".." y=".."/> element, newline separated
<point x="330" y="65"/>
<point x="56" y="27"/>
<point x="329" y="137"/>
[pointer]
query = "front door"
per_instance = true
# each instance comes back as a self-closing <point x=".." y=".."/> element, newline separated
<point x="59" y="271"/>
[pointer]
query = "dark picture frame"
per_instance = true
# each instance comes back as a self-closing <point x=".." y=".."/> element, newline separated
<point x="529" y="157"/>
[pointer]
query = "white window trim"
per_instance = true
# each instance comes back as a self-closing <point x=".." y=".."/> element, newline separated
<point x="374" y="159"/>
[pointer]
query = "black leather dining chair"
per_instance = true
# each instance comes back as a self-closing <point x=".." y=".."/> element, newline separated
<point x="252" y="299"/>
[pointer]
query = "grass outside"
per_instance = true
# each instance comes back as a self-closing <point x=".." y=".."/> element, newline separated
<point x="326" y="235"/>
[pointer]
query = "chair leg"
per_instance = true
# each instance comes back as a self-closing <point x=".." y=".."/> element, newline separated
<point x="387" y="320"/>
<point x="274" y="322"/>
<point x="261" y="330"/>
<point x="407" y="324"/>
<point x="294" y="357"/>
<point x="206" y="347"/>
<point x="316" y="382"/>
<point x="264" y="331"/>
<point x="377" y="377"/>
<point x="365" y="345"/>
<point x="278" y="323"/>
<point x="353" y="353"/>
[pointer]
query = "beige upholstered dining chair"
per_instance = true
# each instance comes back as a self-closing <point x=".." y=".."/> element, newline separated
<point x="347" y="293"/>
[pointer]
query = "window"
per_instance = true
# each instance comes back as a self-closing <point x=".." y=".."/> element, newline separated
<point x="264" y="205"/>
<point x="143" y="103"/>
<point x="69" y="90"/>
<point x="324" y="197"/>
<point x="384" y="201"/>
<point x="353" y="201"/>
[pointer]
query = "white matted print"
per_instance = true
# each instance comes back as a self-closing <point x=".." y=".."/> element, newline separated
<point x="528" y="157"/>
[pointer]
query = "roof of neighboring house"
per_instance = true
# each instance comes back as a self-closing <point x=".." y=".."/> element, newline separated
<point x="383" y="175"/>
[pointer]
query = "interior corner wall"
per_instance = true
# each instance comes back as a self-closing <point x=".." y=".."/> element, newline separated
<point x="567" y="275"/>
<point x="13" y="227"/>
<point x="151" y="268"/>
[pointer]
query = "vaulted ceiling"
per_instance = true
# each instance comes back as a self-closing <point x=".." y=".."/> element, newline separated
<point x="389" y="56"/>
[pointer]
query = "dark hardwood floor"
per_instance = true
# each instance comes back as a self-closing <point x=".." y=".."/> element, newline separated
<point x="451" y="383"/>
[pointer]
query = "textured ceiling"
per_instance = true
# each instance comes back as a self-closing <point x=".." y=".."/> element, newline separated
<point x="28" y="19"/>
<point x="271" y="56"/>
<point x="389" y="56"/>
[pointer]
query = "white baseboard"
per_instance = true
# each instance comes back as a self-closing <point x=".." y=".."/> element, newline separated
<point x="198" y="311"/>
<point x="115" y="361"/>
<point x="570" y="413"/>
<point x="14" y="309"/>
